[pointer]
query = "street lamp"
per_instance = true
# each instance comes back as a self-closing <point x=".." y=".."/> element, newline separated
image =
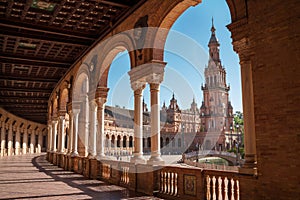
<point x="231" y="136"/>
<point x="238" y="143"/>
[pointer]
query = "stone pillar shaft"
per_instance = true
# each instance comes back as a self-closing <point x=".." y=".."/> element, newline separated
<point x="2" y="139"/>
<point x="10" y="141"/>
<point x="93" y="129"/>
<point x="54" y="135"/>
<point x="25" y="141"/>
<point x="49" y="137"/>
<point x="32" y="142"/>
<point x="138" y="125"/>
<point x="248" y="110"/>
<point x="61" y="139"/>
<point x="155" y="125"/>
<point x="40" y="142"/>
<point x="100" y="132"/>
<point x="75" y="132"/>
<point x="18" y="138"/>
<point x="71" y="131"/>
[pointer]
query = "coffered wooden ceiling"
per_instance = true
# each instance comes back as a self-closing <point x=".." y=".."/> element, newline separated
<point x="41" y="39"/>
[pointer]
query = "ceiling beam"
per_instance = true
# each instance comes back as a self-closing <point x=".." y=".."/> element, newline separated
<point x="31" y="61"/>
<point x="41" y="31"/>
<point x="30" y="111"/>
<point x="26" y="90"/>
<point x="23" y="97"/>
<point x="22" y="106"/>
<point x="111" y="3"/>
<point x="29" y="78"/>
<point x="42" y="38"/>
<point x="23" y="102"/>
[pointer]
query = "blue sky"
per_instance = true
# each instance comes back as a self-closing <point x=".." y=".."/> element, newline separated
<point x="186" y="56"/>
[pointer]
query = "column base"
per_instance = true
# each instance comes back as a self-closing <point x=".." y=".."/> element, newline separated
<point x="74" y="154"/>
<point x="91" y="156"/>
<point x="138" y="159"/>
<point x="250" y="165"/>
<point x="155" y="160"/>
<point x="102" y="157"/>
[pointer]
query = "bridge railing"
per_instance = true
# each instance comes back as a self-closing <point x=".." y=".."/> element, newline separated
<point x="212" y="166"/>
<point x="209" y="152"/>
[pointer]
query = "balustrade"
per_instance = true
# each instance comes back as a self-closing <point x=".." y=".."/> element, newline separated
<point x="106" y="171"/>
<point x="221" y="186"/>
<point x="125" y="175"/>
<point x="169" y="183"/>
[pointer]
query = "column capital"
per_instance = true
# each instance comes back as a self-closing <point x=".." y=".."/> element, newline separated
<point x="62" y="113"/>
<point x="138" y="86"/>
<point x="154" y="86"/>
<point x="101" y="92"/>
<point x="152" y="71"/>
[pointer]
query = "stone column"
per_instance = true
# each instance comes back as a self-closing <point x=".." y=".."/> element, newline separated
<point x="138" y="88"/>
<point x="25" y="140"/>
<point x="54" y="134"/>
<point x="71" y="131"/>
<point x="32" y="142"/>
<point x="2" y="138"/>
<point x="109" y="145"/>
<point x="155" y="125"/>
<point x="40" y="142"/>
<point x="101" y="95"/>
<point x="49" y="142"/>
<point x="61" y="143"/>
<point x="249" y="122"/>
<point x="10" y="141"/>
<point x="75" y="132"/>
<point x="93" y="129"/>
<point x="18" y="138"/>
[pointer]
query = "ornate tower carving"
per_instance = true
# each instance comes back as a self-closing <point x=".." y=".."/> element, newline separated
<point x="216" y="110"/>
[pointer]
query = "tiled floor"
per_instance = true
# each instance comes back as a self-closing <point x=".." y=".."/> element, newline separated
<point x="32" y="177"/>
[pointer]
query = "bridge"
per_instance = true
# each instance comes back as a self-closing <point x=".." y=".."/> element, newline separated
<point x="230" y="157"/>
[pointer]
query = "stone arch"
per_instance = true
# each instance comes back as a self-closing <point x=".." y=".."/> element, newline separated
<point x="113" y="139"/>
<point x="80" y="101"/>
<point x="118" y="141"/>
<point x="131" y="141"/>
<point x="81" y="83"/>
<point x="64" y="97"/>
<point x="106" y="51"/>
<point x="124" y="141"/>
<point x="55" y="107"/>
<point x="107" y="140"/>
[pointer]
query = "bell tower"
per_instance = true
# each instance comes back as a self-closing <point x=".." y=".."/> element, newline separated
<point x="216" y="114"/>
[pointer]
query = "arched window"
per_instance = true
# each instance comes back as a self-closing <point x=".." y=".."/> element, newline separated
<point x="130" y="142"/>
<point x="149" y="142"/>
<point x="179" y="142"/>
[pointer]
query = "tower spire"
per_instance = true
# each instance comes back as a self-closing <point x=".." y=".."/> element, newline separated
<point x="212" y="26"/>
